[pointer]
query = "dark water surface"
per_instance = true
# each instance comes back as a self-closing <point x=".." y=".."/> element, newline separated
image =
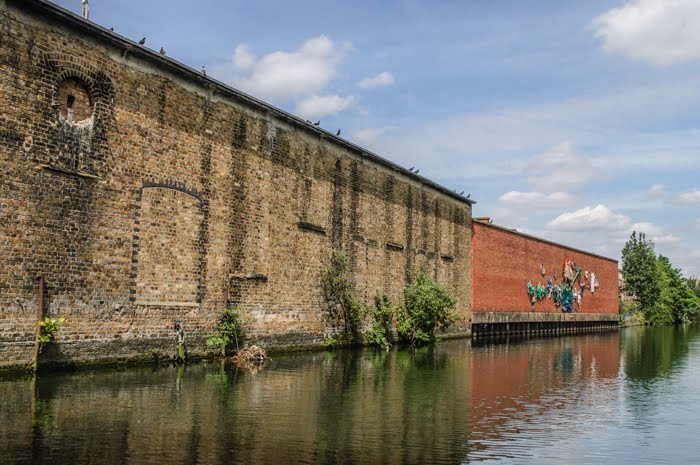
<point x="623" y="397"/>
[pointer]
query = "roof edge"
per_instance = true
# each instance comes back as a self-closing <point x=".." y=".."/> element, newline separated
<point x="539" y="239"/>
<point x="76" y="21"/>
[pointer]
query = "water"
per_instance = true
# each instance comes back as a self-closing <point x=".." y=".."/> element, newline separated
<point x="623" y="397"/>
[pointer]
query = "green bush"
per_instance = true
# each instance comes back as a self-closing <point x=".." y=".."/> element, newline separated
<point x="48" y="327"/>
<point x="381" y="317"/>
<point x="229" y="330"/>
<point x="428" y="306"/>
<point x="339" y="288"/>
<point x="331" y="343"/>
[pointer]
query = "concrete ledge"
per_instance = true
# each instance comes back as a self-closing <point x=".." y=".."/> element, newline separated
<point x="535" y="317"/>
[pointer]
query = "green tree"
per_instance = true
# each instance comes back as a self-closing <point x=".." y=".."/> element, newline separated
<point x="339" y="289"/>
<point x="428" y="306"/>
<point x="676" y="299"/>
<point x="640" y="273"/>
<point x="694" y="285"/>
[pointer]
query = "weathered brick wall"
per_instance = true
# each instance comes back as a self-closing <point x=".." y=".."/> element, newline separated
<point x="166" y="197"/>
<point x="504" y="261"/>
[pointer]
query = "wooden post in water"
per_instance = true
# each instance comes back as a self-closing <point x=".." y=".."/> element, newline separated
<point x="40" y="316"/>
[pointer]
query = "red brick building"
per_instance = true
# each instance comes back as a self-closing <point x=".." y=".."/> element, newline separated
<point x="519" y="284"/>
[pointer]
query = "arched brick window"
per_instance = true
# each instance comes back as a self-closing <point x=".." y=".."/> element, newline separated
<point x="74" y="102"/>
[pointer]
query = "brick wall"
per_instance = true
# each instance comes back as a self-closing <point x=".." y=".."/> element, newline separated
<point x="504" y="261"/>
<point x="167" y="197"/>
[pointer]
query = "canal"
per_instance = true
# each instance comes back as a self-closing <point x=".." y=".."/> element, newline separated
<point x="631" y="396"/>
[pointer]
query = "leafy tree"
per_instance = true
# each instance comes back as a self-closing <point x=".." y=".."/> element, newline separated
<point x="428" y="306"/>
<point x="694" y="285"/>
<point x="381" y="317"/>
<point x="339" y="289"/>
<point x="640" y="273"/>
<point x="676" y="297"/>
<point x="229" y="330"/>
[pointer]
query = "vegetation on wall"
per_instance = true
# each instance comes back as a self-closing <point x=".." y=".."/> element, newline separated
<point x="229" y="330"/>
<point x="381" y="318"/>
<point x="339" y="288"/>
<point x="660" y="292"/>
<point x="48" y="327"/>
<point x="427" y="307"/>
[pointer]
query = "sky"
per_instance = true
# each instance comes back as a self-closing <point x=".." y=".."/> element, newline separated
<point x="578" y="122"/>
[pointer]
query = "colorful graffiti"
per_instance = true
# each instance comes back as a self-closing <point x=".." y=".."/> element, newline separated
<point x="574" y="280"/>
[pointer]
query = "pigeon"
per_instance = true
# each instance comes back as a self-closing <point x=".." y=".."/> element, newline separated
<point x="162" y="51"/>
<point x="317" y="123"/>
<point x="203" y="71"/>
<point x="469" y="195"/>
<point x="337" y="133"/>
<point x="461" y="193"/>
<point x="410" y="169"/>
<point x="417" y="171"/>
<point x="111" y="29"/>
<point x="142" y="41"/>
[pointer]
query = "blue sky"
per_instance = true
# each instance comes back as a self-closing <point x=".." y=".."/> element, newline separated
<point x="574" y="121"/>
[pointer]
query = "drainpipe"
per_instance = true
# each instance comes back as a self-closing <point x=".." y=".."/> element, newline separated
<point x="40" y="316"/>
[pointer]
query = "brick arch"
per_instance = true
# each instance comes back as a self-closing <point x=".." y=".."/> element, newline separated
<point x="62" y="66"/>
<point x="167" y="253"/>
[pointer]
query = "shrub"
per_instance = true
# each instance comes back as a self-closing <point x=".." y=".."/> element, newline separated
<point x="229" y="330"/>
<point x="48" y="327"/>
<point x="338" y="288"/>
<point x="381" y="317"/>
<point x="428" y="306"/>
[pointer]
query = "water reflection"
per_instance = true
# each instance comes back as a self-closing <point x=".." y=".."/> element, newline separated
<point x="615" y="397"/>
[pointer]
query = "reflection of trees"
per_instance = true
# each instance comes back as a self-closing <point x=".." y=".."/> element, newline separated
<point x="651" y="352"/>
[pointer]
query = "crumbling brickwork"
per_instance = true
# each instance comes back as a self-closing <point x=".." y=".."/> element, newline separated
<point x="146" y="193"/>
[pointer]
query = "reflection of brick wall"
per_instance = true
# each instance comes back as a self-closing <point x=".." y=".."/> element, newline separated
<point x="503" y="261"/>
<point x="180" y="196"/>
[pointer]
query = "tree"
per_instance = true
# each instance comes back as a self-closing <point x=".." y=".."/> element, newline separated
<point x="676" y="300"/>
<point x="339" y="289"/>
<point x="428" y="306"/>
<point x="694" y="285"/>
<point x="640" y="273"/>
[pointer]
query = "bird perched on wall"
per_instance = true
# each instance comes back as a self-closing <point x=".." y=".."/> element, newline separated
<point x="469" y="195"/>
<point x="317" y="123"/>
<point x="162" y="51"/>
<point x="410" y="169"/>
<point x="461" y="193"/>
<point x="417" y="171"/>
<point x="142" y="41"/>
<point x="337" y="133"/>
<point x="203" y="71"/>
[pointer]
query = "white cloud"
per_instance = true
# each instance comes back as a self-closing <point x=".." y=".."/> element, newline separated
<point x="533" y="199"/>
<point x="658" y="32"/>
<point x="559" y="169"/>
<point x="656" y="189"/>
<point x="367" y="136"/>
<point x="242" y="57"/>
<point x="317" y="106"/>
<point x="690" y="197"/>
<point x="595" y="218"/>
<point x="649" y="229"/>
<point x="384" y="78"/>
<point x="284" y="75"/>
<point x="665" y="239"/>
<point x="654" y="232"/>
